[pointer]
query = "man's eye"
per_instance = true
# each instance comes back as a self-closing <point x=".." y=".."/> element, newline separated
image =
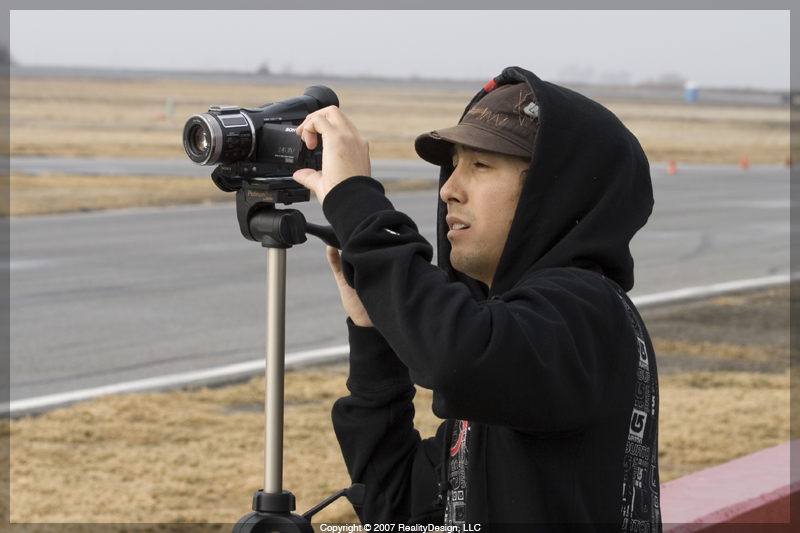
<point x="478" y="164"/>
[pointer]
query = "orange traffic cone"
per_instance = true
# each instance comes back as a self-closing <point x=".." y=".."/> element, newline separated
<point x="743" y="163"/>
<point x="672" y="168"/>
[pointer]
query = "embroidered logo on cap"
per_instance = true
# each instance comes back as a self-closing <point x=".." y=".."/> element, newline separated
<point x="530" y="111"/>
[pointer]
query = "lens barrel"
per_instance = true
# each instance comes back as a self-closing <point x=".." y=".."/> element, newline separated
<point x="202" y="139"/>
<point x="221" y="136"/>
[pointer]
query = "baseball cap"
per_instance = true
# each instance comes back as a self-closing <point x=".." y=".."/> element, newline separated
<point x="504" y="121"/>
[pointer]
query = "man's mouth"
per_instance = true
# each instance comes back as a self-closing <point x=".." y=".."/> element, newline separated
<point x="456" y="225"/>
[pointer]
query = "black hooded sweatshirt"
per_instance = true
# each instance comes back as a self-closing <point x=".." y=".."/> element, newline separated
<point x="547" y="382"/>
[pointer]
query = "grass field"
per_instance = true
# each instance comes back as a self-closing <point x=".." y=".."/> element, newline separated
<point x="141" y="458"/>
<point x="145" y="118"/>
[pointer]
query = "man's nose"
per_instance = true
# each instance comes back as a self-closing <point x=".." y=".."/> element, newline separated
<point x="451" y="190"/>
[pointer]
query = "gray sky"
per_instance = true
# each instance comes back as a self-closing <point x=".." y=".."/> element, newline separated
<point x="712" y="48"/>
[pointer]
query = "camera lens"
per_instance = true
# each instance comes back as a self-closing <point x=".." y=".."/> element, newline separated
<point x="200" y="139"/>
<point x="197" y="141"/>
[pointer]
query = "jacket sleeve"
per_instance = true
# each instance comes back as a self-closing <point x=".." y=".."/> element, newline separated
<point x="535" y="359"/>
<point x="381" y="448"/>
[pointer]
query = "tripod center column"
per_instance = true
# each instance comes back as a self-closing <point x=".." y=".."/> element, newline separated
<point x="274" y="373"/>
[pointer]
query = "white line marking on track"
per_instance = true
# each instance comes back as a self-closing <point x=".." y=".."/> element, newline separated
<point x="171" y="380"/>
<point x="705" y="291"/>
<point x="328" y="354"/>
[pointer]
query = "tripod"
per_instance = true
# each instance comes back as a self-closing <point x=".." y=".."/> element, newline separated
<point x="278" y="230"/>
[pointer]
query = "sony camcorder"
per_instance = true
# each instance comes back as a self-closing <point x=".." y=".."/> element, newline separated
<point x="256" y="145"/>
<point x="256" y="152"/>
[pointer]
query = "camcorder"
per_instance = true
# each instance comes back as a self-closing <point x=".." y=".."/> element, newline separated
<point x="256" y="151"/>
<point x="258" y="147"/>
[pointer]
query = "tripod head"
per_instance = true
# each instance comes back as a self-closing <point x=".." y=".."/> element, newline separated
<point x="259" y="220"/>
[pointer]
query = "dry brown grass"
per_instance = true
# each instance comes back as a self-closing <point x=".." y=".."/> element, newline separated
<point x="62" y="193"/>
<point x="708" y="418"/>
<point x="196" y="456"/>
<point x="65" y="193"/>
<point x="127" y="118"/>
<point x="707" y="133"/>
<point x="193" y="456"/>
<point x="719" y="350"/>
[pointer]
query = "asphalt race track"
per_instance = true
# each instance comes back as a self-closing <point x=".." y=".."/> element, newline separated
<point x="113" y="297"/>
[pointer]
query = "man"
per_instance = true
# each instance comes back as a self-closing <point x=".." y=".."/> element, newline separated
<point x="538" y="361"/>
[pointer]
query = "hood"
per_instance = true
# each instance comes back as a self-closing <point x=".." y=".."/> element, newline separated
<point x="587" y="193"/>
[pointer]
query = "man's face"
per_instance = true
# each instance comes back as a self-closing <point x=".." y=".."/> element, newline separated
<point x="481" y="197"/>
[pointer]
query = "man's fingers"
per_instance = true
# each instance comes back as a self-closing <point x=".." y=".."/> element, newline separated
<point x="317" y="122"/>
<point x="352" y="304"/>
<point x="333" y="115"/>
<point x="324" y="121"/>
<point x="311" y="179"/>
<point x="314" y="123"/>
<point x="335" y="260"/>
<point x="308" y="177"/>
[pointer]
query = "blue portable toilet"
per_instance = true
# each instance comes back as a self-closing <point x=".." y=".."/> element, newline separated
<point x="690" y="92"/>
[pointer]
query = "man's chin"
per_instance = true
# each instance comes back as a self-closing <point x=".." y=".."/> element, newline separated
<point x="466" y="264"/>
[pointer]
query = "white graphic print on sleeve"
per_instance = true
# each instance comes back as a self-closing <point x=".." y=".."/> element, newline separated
<point x="640" y="485"/>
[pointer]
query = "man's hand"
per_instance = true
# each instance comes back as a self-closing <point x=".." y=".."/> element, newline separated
<point x="350" y="300"/>
<point x="345" y="154"/>
<point x="345" y="151"/>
